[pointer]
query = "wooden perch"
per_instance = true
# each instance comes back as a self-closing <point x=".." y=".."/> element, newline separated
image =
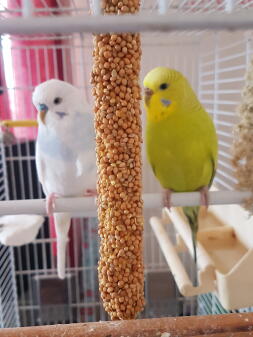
<point x="239" y="325"/>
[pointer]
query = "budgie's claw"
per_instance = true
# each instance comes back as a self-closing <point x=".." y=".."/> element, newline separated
<point x="167" y="198"/>
<point x="204" y="197"/>
<point x="50" y="203"/>
<point x="90" y="193"/>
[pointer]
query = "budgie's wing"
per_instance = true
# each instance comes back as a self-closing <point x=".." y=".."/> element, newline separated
<point x="152" y="166"/>
<point x="41" y="168"/>
<point x="85" y="163"/>
<point x="87" y="108"/>
<point x="85" y="146"/>
<point x="213" y="172"/>
<point x="213" y="146"/>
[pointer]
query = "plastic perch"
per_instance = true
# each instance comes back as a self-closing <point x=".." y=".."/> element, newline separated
<point x="128" y="23"/>
<point x="206" y="274"/>
<point x="87" y="205"/>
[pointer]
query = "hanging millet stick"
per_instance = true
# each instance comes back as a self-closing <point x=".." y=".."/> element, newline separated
<point x="115" y="80"/>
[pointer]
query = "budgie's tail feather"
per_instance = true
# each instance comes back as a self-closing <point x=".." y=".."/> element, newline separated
<point x="62" y="224"/>
<point x="191" y="214"/>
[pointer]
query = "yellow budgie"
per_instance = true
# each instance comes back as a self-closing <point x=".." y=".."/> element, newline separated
<point x="181" y="140"/>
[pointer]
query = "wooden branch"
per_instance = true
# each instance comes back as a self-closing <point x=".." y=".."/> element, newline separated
<point x="239" y="325"/>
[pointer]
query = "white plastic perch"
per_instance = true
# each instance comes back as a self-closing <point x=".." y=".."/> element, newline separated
<point x="127" y="23"/>
<point x="206" y="275"/>
<point x="87" y="205"/>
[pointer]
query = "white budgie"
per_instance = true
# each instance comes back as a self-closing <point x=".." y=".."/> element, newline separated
<point x="65" y="152"/>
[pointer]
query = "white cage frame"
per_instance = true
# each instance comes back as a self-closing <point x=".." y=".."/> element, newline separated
<point x="154" y="17"/>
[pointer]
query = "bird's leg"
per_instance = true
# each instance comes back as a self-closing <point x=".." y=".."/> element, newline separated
<point x="50" y="203"/>
<point x="167" y="198"/>
<point x="90" y="193"/>
<point x="204" y="197"/>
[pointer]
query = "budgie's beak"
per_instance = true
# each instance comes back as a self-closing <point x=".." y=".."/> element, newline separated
<point x="43" y="109"/>
<point x="147" y="94"/>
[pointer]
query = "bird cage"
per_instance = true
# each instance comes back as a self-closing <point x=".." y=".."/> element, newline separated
<point x="9" y="316"/>
<point x="53" y="39"/>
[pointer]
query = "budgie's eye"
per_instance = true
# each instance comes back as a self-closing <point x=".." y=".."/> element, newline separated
<point x="57" y="100"/>
<point x="163" y="86"/>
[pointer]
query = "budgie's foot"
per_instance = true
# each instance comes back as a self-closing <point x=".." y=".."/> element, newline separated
<point x="204" y="197"/>
<point x="167" y="198"/>
<point x="90" y="193"/>
<point x="50" y="203"/>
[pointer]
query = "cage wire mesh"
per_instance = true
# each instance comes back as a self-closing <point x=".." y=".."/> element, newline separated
<point x="214" y="63"/>
<point x="9" y="316"/>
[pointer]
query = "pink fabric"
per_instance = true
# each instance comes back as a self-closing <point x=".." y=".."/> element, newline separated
<point x="4" y="99"/>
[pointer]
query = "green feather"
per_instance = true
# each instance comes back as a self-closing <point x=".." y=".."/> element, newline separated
<point x="191" y="214"/>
